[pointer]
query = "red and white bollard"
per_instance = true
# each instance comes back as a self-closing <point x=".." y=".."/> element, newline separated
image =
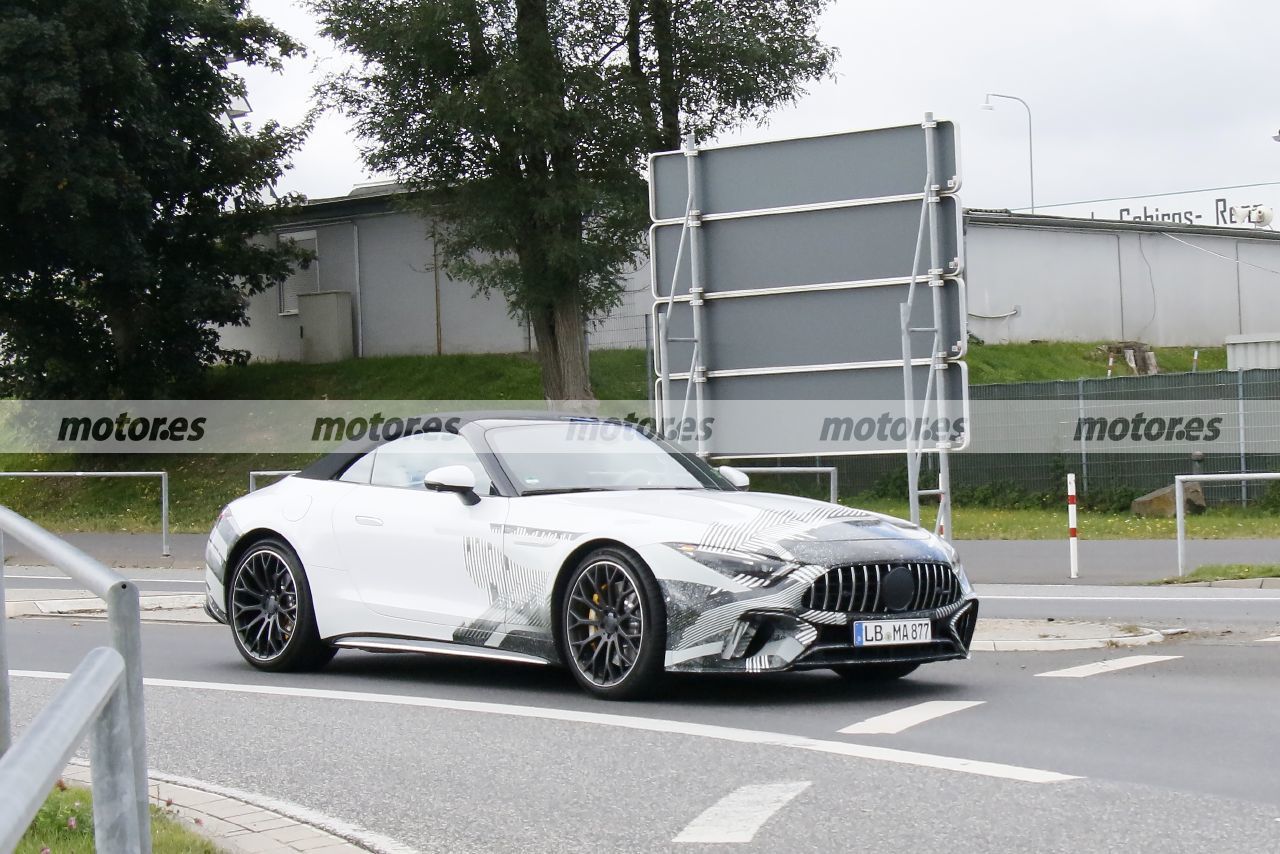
<point x="1071" y="526"/>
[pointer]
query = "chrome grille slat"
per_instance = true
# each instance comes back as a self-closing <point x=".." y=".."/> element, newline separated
<point x="857" y="588"/>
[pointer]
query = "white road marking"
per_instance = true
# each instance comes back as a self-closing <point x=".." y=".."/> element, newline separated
<point x="1181" y="600"/>
<point x="142" y="580"/>
<point x="1108" y="666"/>
<point x="721" y="733"/>
<point x="893" y="723"/>
<point x="739" y="815"/>
<point x="1275" y="639"/>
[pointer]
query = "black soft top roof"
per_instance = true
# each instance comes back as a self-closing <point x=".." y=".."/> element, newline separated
<point x="333" y="465"/>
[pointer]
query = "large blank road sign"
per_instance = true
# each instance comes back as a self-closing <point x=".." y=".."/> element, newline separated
<point x="841" y="167"/>
<point x="805" y="249"/>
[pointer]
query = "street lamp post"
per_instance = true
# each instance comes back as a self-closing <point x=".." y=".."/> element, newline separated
<point x="1031" y="151"/>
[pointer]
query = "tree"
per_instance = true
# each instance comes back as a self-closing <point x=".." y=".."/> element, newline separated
<point x="522" y="128"/>
<point x="127" y="199"/>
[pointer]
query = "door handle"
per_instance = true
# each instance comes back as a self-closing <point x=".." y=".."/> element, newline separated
<point x="371" y="521"/>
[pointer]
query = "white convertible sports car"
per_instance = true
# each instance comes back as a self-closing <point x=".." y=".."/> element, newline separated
<point x="581" y="542"/>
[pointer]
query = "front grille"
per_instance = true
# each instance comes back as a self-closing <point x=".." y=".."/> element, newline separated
<point x="857" y="589"/>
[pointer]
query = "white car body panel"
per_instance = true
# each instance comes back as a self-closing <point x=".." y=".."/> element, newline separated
<point x="411" y="563"/>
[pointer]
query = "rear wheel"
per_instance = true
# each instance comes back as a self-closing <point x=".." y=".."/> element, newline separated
<point x="877" y="671"/>
<point x="269" y="610"/>
<point x="613" y="625"/>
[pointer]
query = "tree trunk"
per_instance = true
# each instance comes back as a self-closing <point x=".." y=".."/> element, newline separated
<point x="542" y="320"/>
<point x="664" y="44"/>
<point x="571" y="336"/>
<point x="552" y="175"/>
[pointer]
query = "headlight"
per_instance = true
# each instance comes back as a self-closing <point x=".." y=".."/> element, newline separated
<point x="759" y="567"/>
<point x="958" y="568"/>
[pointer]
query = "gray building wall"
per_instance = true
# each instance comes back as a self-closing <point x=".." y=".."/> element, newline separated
<point x="1028" y="278"/>
<point x="401" y="303"/>
<point x="1045" y="278"/>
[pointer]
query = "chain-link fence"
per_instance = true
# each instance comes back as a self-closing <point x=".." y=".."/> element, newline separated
<point x="1247" y="403"/>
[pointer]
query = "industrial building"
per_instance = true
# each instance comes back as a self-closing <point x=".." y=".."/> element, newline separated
<point x="377" y="286"/>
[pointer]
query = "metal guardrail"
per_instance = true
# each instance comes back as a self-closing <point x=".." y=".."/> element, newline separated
<point x="254" y="475"/>
<point x="831" y="471"/>
<point x="102" y="698"/>
<point x="1180" y="500"/>
<point x="164" y="493"/>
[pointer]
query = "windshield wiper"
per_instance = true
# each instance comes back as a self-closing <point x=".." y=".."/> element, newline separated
<point x="566" y="489"/>
<point x="698" y="488"/>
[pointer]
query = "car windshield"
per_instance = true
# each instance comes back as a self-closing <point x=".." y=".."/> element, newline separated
<point x="587" y="456"/>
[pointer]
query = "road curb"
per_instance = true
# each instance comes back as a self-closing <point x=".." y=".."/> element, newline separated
<point x="154" y="607"/>
<point x="249" y="823"/>
<point x="1147" y="636"/>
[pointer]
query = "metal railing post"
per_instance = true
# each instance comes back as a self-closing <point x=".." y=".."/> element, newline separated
<point x="102" y="697"/>
<point x="115" y="781"/>
<point x="1180" y="512"/>
<point x="164" y="514"/>
<point x="30" y="767"/>
<point x="164" y="491"/>
<point x="1180" y="498"/>
<point x="5" y="720"/>
<point x="124" y="616"/>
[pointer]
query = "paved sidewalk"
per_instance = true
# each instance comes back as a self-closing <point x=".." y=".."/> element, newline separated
<point x="1044" y="635"/>
<point x="243" y="823"/>
<point x="66" y="602"/>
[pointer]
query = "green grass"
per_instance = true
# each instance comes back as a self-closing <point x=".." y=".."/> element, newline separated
<point x="615" y="375"/>
<point x="201" y="484"/>
<point x="986" y="523"/>
<point x="64" y="825"/>
<point x="1066" y="360"/>
<point x="1227" y="572"/>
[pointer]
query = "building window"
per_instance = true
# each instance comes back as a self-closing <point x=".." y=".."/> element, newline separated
<point x="303" y="280"/>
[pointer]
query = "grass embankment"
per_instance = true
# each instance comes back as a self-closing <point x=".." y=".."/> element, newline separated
<point x="202" y="483"/>
<point x="1069" y="360"/>
<point x="1226" y="572"/>
<point x="64" y="825"/>
<point x="986" y="523"/>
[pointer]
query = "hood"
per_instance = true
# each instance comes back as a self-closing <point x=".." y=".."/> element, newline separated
<point x="811" y="531"/>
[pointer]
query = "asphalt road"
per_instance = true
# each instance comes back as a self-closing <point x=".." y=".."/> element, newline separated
<point x="987" y="561"/>
<point x="1174" y="754"/>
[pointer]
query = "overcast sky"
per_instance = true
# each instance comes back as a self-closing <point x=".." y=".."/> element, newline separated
<point x="1128" y="96"/>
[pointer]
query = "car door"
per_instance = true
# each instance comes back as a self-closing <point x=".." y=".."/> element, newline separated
<point x="422" y="556"/>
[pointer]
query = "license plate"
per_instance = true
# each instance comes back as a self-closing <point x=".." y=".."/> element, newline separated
<point x="891" y="632"/>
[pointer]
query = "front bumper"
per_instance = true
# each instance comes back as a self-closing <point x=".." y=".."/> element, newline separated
<point x="772" y="630"/>
<point x="214" y="596"/>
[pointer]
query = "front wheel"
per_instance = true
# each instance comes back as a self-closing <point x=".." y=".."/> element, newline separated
<point x="882" y="671"/>
<point x="269" y="610"/>
<point x="613" y="625"/>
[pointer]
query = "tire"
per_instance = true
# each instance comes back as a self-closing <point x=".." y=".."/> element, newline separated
<point x="269" y="610"/>
<point x="885" y="671"/>
<point x="613" y="625"/>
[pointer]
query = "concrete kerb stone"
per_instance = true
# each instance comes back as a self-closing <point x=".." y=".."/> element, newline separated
<point x="247" y="823"/>
<point x="169" y="608"/>
<point x="1053" y="635"/>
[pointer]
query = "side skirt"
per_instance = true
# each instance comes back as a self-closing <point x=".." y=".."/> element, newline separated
<point x="394" y="644"/>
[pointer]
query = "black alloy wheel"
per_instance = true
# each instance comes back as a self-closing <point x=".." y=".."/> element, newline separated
<point x="614" y="625"/>
<point x="269" y="609"/>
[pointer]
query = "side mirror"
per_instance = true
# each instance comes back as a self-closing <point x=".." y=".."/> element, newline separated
<point x="456" y="479"/>
<point x="738" y="478"/>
